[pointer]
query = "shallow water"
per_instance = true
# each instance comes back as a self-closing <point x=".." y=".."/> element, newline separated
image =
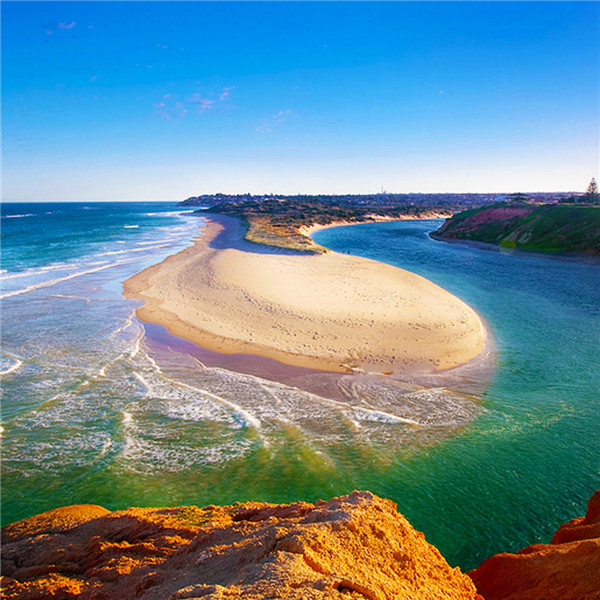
<point x="96" y="409"/>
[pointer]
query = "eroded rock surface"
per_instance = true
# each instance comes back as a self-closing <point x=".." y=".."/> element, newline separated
<point x="355" y="546"/>
<point x="566" y="569"/>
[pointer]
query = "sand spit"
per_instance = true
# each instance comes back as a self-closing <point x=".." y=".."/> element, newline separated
<point x="324" y="311"/>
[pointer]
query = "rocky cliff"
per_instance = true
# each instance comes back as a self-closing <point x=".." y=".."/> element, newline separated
<point x="355" y="546"/>
<point x="351" y="547"/>
<point x="566" y="569"/>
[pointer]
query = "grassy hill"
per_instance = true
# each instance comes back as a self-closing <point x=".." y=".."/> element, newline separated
<point x="544" y="228"/>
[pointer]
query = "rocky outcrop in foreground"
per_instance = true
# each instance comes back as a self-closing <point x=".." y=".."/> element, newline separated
<point x="355" y="546"/>
<point x="352" y="547"/>
<point x="566" y="569"/>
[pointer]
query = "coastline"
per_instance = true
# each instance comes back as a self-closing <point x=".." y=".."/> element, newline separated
<point x="225" y="295"/>
<point x="581" y="257"/>
<point x="308" y="230"/>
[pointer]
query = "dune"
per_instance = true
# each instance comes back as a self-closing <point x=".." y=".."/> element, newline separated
<point x="325" y="311"/>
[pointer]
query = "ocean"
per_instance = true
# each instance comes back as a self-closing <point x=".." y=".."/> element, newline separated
<point x="98" y="408"/>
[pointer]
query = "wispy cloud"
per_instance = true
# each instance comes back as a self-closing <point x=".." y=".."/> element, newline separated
<point x="52" y="28"/>
<point x="225" y="93"/>
<point x="203" y="104"/>
<point x="269" y="124"/>
<point x="171" y="106"/>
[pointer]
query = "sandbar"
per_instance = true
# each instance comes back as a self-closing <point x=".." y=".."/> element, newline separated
<point x="327" y="311"/>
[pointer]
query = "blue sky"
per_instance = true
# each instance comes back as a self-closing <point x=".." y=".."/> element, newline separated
<point x="163" y="100"/>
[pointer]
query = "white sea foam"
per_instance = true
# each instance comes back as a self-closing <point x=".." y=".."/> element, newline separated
<point x="141" y="380"/>
<point x="39" y="271"/>
<point x="130" y="226"/>
<point x="136" y="347"/>
<point x="12" y="368"/>
<point x="153" y="242"/>
<point x="105" y="447"/>
<point x="102" y="371"/>
<point x="383" y="416"/>
<point x="128" y="323"/>
<point x="17" y="216"/>
<point x="45" y="284"/>
<point x="114" y="252"/>
<point x="249" y="418"/>
<point x="169" y="213"/>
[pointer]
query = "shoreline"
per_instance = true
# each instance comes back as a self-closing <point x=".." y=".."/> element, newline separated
<point x="232" y="298"/>
<point x="582" y="257"/>
<point x="308" y="230"/>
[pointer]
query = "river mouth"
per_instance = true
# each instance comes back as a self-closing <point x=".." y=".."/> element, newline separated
<point x="96" y="410"/>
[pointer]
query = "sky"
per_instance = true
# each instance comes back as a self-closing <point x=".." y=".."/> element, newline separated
<point x="119" y="101"/>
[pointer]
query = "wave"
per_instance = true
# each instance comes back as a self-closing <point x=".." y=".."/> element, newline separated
<point x="247" y="418"/>
<point x="114" y="252"/>
<point x="66" y="297"/>
<point x="17" y="216"/>
<point x="44" y="284"/>
<point x="39" y="271"/>
<point x="130" y="226"/>
<point x="169" y="213"/>
<point x="128" y="323"/>
<point x="153" y="242"/>
<point x="12" y="368"/>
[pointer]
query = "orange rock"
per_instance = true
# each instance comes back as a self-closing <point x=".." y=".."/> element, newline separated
<point x="581" y="528"/>
<point x="566" y="569"/>
<point x="355" y="546"/>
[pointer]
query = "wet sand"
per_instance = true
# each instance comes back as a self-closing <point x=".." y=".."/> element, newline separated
<point x="327" y="311"/>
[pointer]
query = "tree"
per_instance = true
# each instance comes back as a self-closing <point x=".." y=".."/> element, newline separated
<point x="591" y="195"/>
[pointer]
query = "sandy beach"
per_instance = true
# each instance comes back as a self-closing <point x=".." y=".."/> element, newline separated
<point x="325" y="311"/>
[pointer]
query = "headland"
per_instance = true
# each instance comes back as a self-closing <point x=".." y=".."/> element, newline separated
<point x="548" y="228"/>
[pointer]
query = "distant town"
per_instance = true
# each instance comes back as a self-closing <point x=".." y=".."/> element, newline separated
<point x="450" y="202"/>
<point x="278" y="220"/>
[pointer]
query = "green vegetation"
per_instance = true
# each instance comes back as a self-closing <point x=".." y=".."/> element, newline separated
<point x="545" y="228"/>
<point x="278" y="221"/>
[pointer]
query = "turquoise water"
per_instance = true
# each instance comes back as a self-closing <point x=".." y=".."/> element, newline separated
<point x="95" y="409"/>
<point x="532" y="460"/>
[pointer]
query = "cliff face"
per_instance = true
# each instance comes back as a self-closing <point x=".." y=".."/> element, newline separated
<point x="355" y="546"/>
<point x="547" y="228"/>
<point x="566" y="569"/>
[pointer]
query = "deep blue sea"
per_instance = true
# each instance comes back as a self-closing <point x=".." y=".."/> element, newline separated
<point x="96" y="410"/>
